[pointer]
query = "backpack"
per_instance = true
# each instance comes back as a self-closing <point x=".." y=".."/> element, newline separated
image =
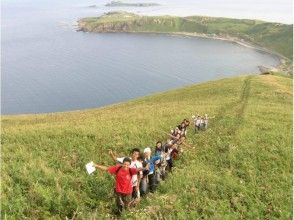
<point x="145" y="172"/>
<point x="116" y="172"/>
<point x="174" y="153"/>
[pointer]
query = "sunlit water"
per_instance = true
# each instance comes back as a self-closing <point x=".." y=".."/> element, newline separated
<point x="47" y="66"/>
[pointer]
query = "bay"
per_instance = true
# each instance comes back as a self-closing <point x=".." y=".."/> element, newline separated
<point x="49" y="67"/>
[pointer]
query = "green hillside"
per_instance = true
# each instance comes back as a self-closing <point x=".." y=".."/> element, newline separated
<point x="273" y="36"/>
<point x="240" y="168"/>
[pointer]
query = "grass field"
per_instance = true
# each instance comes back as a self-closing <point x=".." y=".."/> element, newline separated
<point x="273" y="36"/>
<point x="240" y="168"/>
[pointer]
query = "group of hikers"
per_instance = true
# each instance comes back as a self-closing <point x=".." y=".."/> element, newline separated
<point x="201" y="122"/>
<point x="141" y="173"/>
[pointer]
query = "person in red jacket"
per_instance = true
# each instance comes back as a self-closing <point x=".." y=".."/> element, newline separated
<point x="123" y="181"/>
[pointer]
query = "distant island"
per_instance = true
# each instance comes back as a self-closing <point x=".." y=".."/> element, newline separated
<point x="266" y="36"/>
<point x="124" y="4"/>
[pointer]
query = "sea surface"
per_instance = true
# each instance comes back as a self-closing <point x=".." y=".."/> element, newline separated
<point x="47" y="66"/>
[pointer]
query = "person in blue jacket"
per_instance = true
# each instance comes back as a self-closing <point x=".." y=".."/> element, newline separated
<point x="148" y="182"/>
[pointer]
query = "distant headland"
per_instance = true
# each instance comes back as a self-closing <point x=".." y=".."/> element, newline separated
<point x="274" y="38"/>
<point x="124" y="4"/>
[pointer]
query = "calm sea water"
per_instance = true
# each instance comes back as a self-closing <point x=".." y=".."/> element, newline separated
<point x="47" y="66"/>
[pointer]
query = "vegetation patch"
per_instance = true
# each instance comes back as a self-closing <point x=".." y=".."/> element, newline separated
<point x="239" y="168"/>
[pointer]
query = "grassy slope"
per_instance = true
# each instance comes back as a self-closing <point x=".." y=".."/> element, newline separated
<point x="273" y="36"/>
<point x="241" y="167"/>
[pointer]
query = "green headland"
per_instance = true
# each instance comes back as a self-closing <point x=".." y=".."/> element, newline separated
<point x="272" y="37"/>
<point x="240" y="168"/>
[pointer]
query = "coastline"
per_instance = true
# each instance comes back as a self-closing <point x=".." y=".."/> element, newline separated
<point x="282" y="59"/>
<point x="274" y="39"/>
<point x="279" y="67"/>
<point x="125" y="102"/>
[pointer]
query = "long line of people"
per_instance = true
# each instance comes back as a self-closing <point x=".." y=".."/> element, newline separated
<point x="140" y="173"/>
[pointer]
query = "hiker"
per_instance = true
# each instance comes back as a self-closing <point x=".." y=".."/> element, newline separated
<point x="174" y="138"/>
<point x="164" y="159"/>
<point x="197" y="122"/>
<point x="135" y="163"/>
<point x="169" y="159"/>
<point x="144" y="179"/>
<point x="183" y="128"/>
<point x="158" y="148"/>
<point x="139" y="174"/>
<point x="175" y="131"/>
<point x="186" y="125"/>
<point x="187" y="122"/>
<point x="148" y="182"/>
<point x="177" y="139"/>
<point x="160" y="167"/>
<point x="202" y="124"/>
<point x="174" y="153"/>
<point x="123" y="181"/>
<point x="206" y="120"/>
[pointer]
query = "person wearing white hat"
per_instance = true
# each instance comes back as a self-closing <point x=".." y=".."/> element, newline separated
<point x="148" y="181"/>
<point x="147" y="150"/>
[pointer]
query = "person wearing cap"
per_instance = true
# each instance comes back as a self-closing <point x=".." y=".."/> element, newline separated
<point x="148" y="181"/>
<point x="123" y="181"/>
